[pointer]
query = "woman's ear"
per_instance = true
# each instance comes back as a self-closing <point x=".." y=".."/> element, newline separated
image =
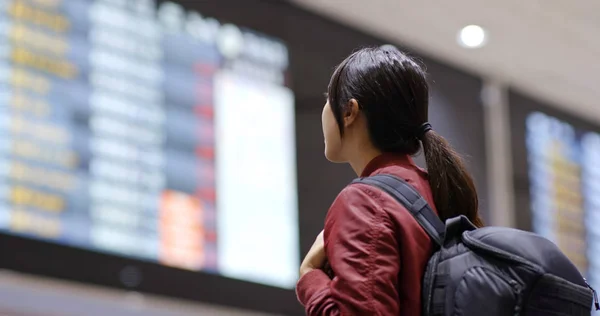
<point x="351" y="112"/>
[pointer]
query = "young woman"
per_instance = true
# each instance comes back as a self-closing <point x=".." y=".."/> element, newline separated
<point x="375" y="119"/>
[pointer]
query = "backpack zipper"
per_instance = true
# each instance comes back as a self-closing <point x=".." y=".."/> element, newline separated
<point x="472" y="242"/>
<point x="431" y="271"/>
<point x="518" y="290"/>
<point x="596" y="303"/>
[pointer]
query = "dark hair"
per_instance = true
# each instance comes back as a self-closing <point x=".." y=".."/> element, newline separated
<point x="392" y="91"/>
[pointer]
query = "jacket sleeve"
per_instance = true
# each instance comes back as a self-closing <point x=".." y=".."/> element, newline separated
<point x="363" y="252"/>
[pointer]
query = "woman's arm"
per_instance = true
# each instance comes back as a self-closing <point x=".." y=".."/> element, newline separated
<point x="361" y="248"/>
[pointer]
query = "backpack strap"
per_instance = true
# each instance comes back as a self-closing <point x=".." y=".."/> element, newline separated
<point x="408" y="197"/>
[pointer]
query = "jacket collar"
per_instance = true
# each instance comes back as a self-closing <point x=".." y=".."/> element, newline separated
<point x="386" y="160"/>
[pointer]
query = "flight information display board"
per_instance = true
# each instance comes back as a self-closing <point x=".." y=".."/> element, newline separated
<point x="563" y="182"/>
<point x="148" y="131"/>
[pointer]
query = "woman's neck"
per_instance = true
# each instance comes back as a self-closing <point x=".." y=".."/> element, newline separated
<point x="362" y="159"/>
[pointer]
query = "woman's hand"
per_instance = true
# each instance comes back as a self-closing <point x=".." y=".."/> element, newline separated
<point x="315" y="258"/>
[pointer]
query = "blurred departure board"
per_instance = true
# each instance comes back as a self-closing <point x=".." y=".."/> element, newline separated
<point x="143" y="130"/>
<point x="564" y="179"/>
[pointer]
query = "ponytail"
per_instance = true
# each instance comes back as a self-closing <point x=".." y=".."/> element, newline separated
<point x="452" y="186"/>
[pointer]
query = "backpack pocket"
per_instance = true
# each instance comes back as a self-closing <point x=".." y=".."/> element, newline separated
<point x="555" y="296"/>
<point x="483" y="291"/>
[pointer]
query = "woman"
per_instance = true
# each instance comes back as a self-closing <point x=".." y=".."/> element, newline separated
<point x="375" y="118"/>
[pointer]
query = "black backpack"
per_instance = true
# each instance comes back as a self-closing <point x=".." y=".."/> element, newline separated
<point x="490" y="271"/>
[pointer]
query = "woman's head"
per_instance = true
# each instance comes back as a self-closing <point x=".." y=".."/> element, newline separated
<point x="377" y="100"/>
<point x="388" y="90"/>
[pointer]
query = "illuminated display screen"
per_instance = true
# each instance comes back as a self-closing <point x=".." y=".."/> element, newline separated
<point x="151" y="132"/>
<point x="564" y="188"/>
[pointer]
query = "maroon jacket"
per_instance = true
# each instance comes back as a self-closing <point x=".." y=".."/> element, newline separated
<point x="375" y="247"/>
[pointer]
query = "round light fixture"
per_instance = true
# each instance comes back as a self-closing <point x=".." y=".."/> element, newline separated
<point x="472" y="36"/>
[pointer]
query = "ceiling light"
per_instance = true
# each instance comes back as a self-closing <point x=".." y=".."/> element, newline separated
<point x="472" y="36"/>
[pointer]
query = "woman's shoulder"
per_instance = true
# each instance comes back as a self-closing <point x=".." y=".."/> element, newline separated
<point x="358" y="200"/>
<point x="364" y="200"/>
<point x="360" y="193"/>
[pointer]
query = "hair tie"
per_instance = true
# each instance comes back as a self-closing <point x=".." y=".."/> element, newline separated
<point x="423" y="129"/>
